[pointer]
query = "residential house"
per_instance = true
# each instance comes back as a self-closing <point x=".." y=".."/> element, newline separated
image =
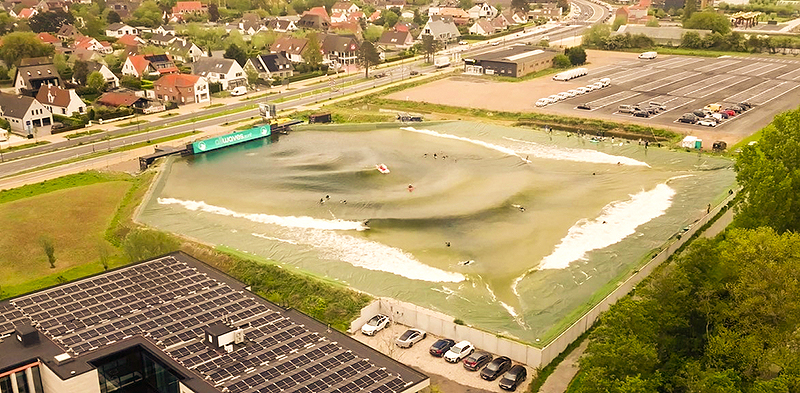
<point x="85" y="55"/>
<point x="319" y="11"/>
<point x="185" y="51"/>
<point x="344" y="7"/>
<point x="165" y="30"/>
<point x="68" y="32"/>
<point x="227" y="72"/>
<point x="355" y="17"/>
<point x="375" y="16"/>
<point x="338" y="17"/>
<point x="482" y="27"/>
<point x="515" y="18"/>
<point x="122" y="8"/>
<point x="313" y="22"/>
<point x="48" y="38"/>
<point x="182" y="89"/>
<point x="341" y="50"/>
<point x="187" y="7"/>
<point x="131" y="100"/>
<point x="251" y="24"/>
<point x="482" y="10"/>
<point x="270" y="66"/>
<point x="52" y="5"/>
<point x="112" y="80"/>
<point x="635" y="15"/>
<point x="399" y="4"/>
<point x="149" y="65"/>
<point x="32" y="74"/>
<point x="25" y="115"/>
<point x="27" y="13"/>
<point x="120" y="29"/>
<point x="396" y="39"/>
<point x="290" y="47"/>
<point x="162" y="39"/>
<point x="407" y="27"/>
<point x="442" y="28"/>
<point x="549" y="11"/>
<point x="130" y="40"/>
<point x="91" y="44"/>
<point x="500" y="22"/>
<point x="460" y="17"/>
<point x="281" y="25"/>
<point x="60" y="101"/>
<point x="348" y="28"/>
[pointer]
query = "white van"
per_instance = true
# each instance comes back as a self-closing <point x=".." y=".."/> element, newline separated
<point x="625" y="109"/>
<point x="648" y="55"/>
<point x="239" y="91"/>
<point x="605" y="81"/>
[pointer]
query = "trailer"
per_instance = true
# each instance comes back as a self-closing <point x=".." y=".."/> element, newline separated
<point x="570" y="74"/>
<point x="441" y="61"/>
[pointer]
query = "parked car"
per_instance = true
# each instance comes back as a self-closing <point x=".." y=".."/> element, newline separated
<point x="707" y="122"/>
<point x="463" y="42"/>
<point x="56" y="126"/>
<point x="410" y="337"/>
<point x="660" y="106"/>
<point x="625" y="109"/>
<point x="735" y="108"/>
<point x="585" y="107"/>
<point x="496" y="368"/>
<point x="718" y="117"/>
<point x="583" y="90"/>
<point x="729" y="112"/>
<point x="641" y="113"/>
<point x="598" y="85"/>
<point x="515" y="376"/>
<point x="575" y="92"/>
<point x="375" y="324"/>
<point x="562" y="96"/>
<point x="378" y="76"/>
<point x="554" y="98"/>
<point x="747" y="104"/>
<point x="477" y="360"/>
<point x="542" y="102"/>
<point x="699" y="113"/>
<point x="459" y="351"/>
<point x="414" y="72"/>
<point x="605" y="82"/>
<point x="590" y="87"/>
<point x="723" y="115"/>
<point x="239" y="91"/>
<point x="441" y="346"/>
<point x="688" y="118"/>
<point x="569" y="93"/>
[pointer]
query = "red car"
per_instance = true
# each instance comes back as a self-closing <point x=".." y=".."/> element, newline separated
<point x="729" y="112"/>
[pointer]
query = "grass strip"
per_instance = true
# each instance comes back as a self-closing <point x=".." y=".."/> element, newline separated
<point x="546" y="371"/>
<point x="83" y="133"/>
<point x="25" y="146"/>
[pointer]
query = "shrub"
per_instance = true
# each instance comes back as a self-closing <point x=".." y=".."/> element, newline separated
<point x="561" y="61"/>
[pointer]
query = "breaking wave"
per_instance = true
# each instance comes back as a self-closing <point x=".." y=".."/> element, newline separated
<point x="572" y="154"/>
<point x="492" y="146"/>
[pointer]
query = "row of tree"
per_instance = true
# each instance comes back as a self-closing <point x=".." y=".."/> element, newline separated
<point x="724" y="315"/>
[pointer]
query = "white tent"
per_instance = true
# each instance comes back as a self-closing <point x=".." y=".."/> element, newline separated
<point x="692" y="142"/>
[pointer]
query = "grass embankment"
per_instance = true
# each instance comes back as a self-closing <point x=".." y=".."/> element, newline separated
<point x="25" y="146"/>
<point x="88" y="217"/>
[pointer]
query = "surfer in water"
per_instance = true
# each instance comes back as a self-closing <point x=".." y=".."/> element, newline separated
<point x="410" y="188"/>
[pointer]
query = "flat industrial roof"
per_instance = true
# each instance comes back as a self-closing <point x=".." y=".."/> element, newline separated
<point x="514" y="54"/>
<point x="162" y="305"/>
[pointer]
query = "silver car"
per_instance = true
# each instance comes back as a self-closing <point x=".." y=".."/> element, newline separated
<point x="410" y="337"/>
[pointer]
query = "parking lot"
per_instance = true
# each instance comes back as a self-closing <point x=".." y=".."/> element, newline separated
<point x="683" y="84"/>
<point x="418" y="356"/>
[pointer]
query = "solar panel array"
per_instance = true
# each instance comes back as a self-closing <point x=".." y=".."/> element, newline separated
<point x="169" y="302"/>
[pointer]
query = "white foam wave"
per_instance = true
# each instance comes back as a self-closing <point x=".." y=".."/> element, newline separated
<point x="274" y="238"/>
<point x="492" y="146"/>
<point x="288" y="221"/>
<point x="617" y="221"/>
<point x="571" y="154"/>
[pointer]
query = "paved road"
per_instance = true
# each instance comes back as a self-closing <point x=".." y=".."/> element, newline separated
<point x="38" y="156"/>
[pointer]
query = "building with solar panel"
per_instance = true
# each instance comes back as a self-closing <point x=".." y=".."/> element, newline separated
<point x="174" y="325"/>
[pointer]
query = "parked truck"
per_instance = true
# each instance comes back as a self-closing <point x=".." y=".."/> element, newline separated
<point x="570" y="74"/>
<point x="441" y="61"/>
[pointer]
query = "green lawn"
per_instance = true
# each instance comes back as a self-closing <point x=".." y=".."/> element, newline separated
<point x="75" y="218"/>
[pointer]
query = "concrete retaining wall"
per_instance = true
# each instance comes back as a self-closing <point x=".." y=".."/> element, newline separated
<point x="443" y="325"/>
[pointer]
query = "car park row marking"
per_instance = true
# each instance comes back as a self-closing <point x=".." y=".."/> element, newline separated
<point x="762" y="101"/>
<point x="750" y="68"/>
<point x="603" y="69"/>
<point x="636" y="75"/>
<point x="791" y="75"/>
<point x="669" y="80"/>
<point x="700" y="85"/>
<point x="718" y="65"/>
<point x="710" y="92"/>
<point x="768" y="71"/>
<point x="679" y="63"/>
<point x="746" y="95"/>
<point x="608" y="100"/>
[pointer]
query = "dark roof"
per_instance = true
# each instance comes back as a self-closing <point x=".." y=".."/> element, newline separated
<point x="36" y="72"/>
<point x="515" y="54"/>
<point x="162" y="306"/>
<point x="337" y="43"/>
<point x="313" y="21"/>
<point x="115" y="26"/>
<point x="394" y="37"/>
<point x="14" y="106"/>
<point x="290" y="45"/>
<point x="271" y="63"/>
<point x="31" y="61"/>
<point x="218" y="329"/>
<point x="53" y="95"/>
<point x="115" y="99"/>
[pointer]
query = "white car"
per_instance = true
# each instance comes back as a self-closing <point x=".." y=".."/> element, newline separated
<point x="562" y="96"/>
<point x="543" y="102"/>
<point x="598" y="85"/>
<point x="575" y="92"/>
<point x="554" y="98"/>
<point x="375" y="324"/>
<point x="496" y="43"/>
<point x="410" y="337"/>
<point x="707" y="123"/>
<point x="583" y="90"/>
<point x="590" y="87"/>
<point x="569" y="93"/>
<point x="459" y="351"/>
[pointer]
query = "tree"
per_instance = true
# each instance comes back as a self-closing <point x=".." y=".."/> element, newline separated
<point x="6" y="22"/>
<point x="49" y="250"/>
<point x="368" y="56"/>
<point x="577" y="55"/>
<point x="717" y="23"/>
<point x="142" y="244"/>
<point x="213" y="12"/>
<point x="769" y="173"/>
<point x="691" y="39"/>
<point x="390" y="18"/>
<point x="418" y="18"/>
<point x="64" y="71"/>
<point x="22" y="45"/>
<point x="252" y="76"/>
<point x="520" y="5"/>
<point x="113" y="17"/>
<point x="50" y="21"/>
<point x="147" y="14"/>
<point x="80" y="72"/>
<point x="465" y="4"/>
<point x="313" y="53"/>
<point x="429" y="47"/>
<point x="96" y="81"/>
<point x="236" y="53"/>
<point x="561" y="61"/>
<point x="619" y="21"/>
<point x="689" y="8"/>
<point x="652" y="22"/>
<point x="596" y="35"/>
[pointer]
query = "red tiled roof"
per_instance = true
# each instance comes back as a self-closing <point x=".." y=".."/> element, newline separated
<point x="319" y="11"/>
<point x="47" y="38"/>
<point x="53" y="95"/>
<point x="183" y="6"/>
<point x="139" y="63"/>
<point x="177" y="80"/>
<point x="128" y="40"/>
<point x="26" y="13"/>
<point x="118" y="99"/>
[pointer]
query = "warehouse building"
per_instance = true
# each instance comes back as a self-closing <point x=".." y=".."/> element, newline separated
<point x="516" y="61"/>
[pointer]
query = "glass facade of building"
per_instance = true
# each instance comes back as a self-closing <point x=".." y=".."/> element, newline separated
<point x="135" y="371"/>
